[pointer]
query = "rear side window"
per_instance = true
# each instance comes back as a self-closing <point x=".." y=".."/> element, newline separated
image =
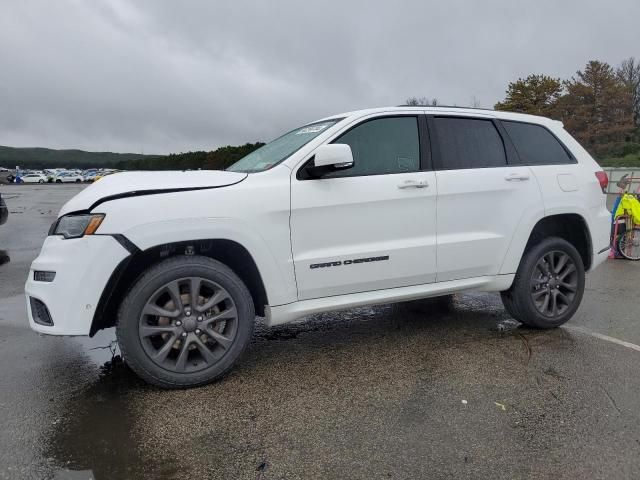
<point x="468" y="143"/>
<point x="382" y="146"/>
<point x="535" y="144"/>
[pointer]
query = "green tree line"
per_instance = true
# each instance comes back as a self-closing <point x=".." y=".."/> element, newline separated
<point x="218" y="159"/>
<point x="599" y="106"/>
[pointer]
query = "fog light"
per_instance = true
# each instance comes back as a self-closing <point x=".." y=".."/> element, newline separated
<point x="40" y="312"/>
<point x="42" y="276"/>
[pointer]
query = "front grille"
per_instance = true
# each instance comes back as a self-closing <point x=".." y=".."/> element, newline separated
<point x="42" y="276"/>
<point x="40" y="312"/>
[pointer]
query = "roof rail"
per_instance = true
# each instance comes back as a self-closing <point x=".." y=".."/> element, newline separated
<point x="448" y="106"/>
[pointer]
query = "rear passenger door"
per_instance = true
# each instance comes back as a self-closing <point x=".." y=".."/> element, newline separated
<point x="481" y="197"/>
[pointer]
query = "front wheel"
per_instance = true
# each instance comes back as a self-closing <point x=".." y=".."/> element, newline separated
<point x="629" y="244"/>
<point x="548" y="286"/>
<point x="185" y="322"/>
<point x="40" y="181"/>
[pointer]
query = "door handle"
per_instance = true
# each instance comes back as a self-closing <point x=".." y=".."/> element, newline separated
<point x="413" y="184"/>
<point x="516" y="176"/>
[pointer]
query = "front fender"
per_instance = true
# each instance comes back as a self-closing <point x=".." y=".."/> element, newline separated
<point x="277" y="273"/>
<point x="253" y="213"/>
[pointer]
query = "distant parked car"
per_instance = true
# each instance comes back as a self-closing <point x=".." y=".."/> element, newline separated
<point x="34" y="178"/>
<point x="68" y="178"/>
<point x="104" y="174"/>
<point x="90" y="177"/>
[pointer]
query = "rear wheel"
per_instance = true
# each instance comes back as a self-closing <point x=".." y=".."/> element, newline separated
<point x="40" y="181"/>
<point x="185" y="322"/>
<point x="629" y="244"/>
<point x="548" y="286"/>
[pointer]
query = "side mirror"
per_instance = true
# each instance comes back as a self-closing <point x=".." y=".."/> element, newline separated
<point x="328" y="158"/>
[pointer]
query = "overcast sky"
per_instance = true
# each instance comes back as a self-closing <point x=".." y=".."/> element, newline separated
<point x="167" y="76"/>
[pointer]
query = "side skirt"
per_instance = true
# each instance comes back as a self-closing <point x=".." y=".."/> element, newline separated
<point x="277" y="315"/>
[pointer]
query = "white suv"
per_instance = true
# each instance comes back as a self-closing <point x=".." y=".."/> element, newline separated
<point x="374" y="206"/>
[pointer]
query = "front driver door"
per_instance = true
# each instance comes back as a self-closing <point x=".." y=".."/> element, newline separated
<point x="373" y="226"/>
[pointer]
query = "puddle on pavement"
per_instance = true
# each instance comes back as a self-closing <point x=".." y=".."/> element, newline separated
<point x="101" y="347"/>
<point x="92" y="435"/>
<point x="74" y="475"/>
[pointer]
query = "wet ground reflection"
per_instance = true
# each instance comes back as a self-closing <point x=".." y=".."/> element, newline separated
<point x="92" y="435"/>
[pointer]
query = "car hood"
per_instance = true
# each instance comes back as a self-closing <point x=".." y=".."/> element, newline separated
<point x="130" y="184"/>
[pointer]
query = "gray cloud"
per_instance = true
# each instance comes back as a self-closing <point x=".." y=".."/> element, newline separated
<point x="163" y="76"/>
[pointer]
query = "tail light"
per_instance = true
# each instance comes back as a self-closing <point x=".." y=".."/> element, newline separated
<point x="603" y="179"/>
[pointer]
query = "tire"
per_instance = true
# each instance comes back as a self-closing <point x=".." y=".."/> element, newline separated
<point x="78" y="181"/>
<point x="544" y="297"/>
<point x="58" y="181"/>
<point x="40" y="181"/>
<point x="199" y="344"/>
<point x="507" y="302"/>
<point x="629" y="244"/>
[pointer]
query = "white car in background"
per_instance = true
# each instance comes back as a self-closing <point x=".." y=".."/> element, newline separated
<point x="68" y="177"/>
<point x="34" y="178"/>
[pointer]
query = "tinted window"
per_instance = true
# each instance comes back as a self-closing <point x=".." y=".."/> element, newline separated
<point x="535" y="144"/>
<point x="468" y="143"/>
<point x="384" y="145"/>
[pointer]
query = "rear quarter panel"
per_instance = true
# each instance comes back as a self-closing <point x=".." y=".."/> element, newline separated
<point x="574" y="188"/>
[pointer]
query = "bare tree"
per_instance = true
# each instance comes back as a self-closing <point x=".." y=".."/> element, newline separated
<point x="421" y="102"/>
<point x="629" y="73"/>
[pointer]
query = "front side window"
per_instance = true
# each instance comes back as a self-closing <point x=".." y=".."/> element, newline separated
<point x="281" y="148"/>
<point x="535" y="144"/>
<point x="468" y="143"/>
<point x="382" y="146"/>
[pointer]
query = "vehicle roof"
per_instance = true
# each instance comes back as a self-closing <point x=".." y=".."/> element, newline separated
<point x="453" y="110"/>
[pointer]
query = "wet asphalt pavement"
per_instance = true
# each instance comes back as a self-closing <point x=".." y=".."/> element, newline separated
<point x="417" y="390"/>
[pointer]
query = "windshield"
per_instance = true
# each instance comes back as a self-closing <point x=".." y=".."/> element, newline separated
<point x="279" y="149"/>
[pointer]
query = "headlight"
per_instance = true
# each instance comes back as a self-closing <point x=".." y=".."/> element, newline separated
<point x="75" y="226"/>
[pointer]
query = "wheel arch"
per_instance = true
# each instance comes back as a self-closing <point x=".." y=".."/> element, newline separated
<point x="229" y="252"/>
<point x="571" y="227"/>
